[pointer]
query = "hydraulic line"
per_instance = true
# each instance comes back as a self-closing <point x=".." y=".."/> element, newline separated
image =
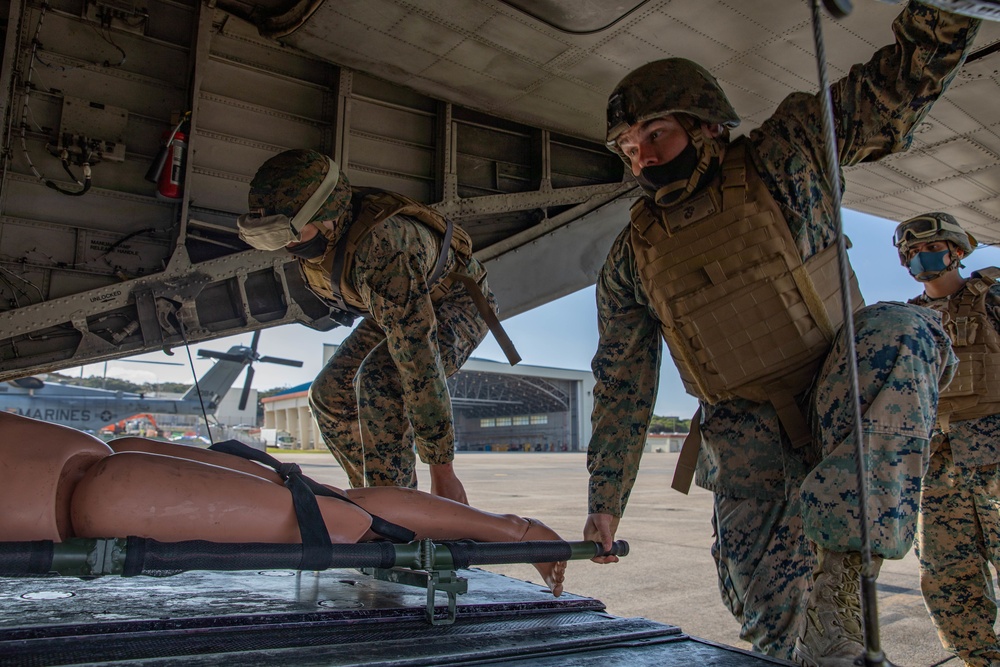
<point x="25" y="112"/>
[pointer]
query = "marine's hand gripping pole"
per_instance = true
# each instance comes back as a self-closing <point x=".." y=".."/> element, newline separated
<point x="873" y="655"/>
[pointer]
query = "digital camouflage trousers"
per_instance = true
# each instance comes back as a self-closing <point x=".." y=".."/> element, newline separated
<point x="358" y="404"/>
<point x="763" y="546"/>
<point x="958" y="537"/>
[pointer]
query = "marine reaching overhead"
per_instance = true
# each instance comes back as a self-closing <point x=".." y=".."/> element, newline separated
<point x="958" y="534"/>
<point x="730" y="257"/>
<point x="425" y="301"/>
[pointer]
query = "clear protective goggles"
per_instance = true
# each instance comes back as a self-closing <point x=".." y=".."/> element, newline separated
<point x="274" y="232"/>
<point x="923" y="227"/>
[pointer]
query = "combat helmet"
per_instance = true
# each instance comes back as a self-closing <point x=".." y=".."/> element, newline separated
<point x="664" y="87"/>
<point x="289" y="184"/>
<point x="935" y="226"/>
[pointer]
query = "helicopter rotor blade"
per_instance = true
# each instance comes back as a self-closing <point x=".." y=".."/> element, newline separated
<point x="283" y="362"/>
<point x="247" y="357"/>
<point x="246" y="388"/>
<point x="143" y="361"/>
<point x="224" y="356"/>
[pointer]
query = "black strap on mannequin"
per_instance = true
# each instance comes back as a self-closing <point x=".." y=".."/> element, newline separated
<point x="304" y="491"/>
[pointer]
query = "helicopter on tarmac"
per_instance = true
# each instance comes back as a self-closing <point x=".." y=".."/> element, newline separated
<point x="89" y="409"/>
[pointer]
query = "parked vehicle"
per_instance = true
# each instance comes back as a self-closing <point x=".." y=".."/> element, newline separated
<point x="274" y="437"/>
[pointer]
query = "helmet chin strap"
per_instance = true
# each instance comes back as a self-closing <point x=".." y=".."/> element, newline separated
<point x="707" y="150"/>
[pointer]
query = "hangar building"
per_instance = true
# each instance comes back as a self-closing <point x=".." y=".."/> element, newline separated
<point x="497" y="407"/>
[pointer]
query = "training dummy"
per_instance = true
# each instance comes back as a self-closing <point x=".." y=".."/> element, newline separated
<point x="61" y="483"/>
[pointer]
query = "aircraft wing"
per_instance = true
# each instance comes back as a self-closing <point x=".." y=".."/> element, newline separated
<point x="491" y="111"/>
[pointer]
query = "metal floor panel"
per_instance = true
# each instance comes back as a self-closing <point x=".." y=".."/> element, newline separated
<point x="334" y="618"/>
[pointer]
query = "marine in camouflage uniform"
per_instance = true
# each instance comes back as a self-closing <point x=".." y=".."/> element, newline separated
<point x="384" y="391"/>
<point x="958" y="533"/>
<point x="775" y="502"/>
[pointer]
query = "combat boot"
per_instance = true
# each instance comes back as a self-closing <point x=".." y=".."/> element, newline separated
<point x="833" y="635"/>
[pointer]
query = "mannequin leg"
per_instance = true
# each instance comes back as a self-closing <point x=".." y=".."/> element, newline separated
<point x="40" y="466"/>
<point x="185" y="499"/>
<point x="427" y="515"/>
<point x="223" y="460"/>
<point x="442" y="519"/>
<point x="173" y="499"/>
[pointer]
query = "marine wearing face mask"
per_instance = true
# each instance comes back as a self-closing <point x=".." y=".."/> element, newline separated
<point x="926" y="263"/>
<point x="692" y="99"/>
<point x="958" y="535"/>
<point x="426" y="306"/>
<point x="729" y="258"/>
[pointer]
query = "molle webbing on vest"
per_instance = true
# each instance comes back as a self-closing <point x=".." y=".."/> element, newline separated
<point x="376" y="207"/>
<point x="381" y="206"/>
<point x="334" y="268"/>
<point x="741" y="313"/>
<point x="974" y="392"/>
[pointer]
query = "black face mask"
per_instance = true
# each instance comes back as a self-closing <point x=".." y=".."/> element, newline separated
<point x="661" y="175"/>
<point x="311" y="249"/>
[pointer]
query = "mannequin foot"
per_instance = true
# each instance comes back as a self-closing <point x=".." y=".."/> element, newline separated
<point x="552" y="573"/>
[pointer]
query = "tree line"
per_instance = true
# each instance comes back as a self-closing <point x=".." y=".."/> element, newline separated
<point x="147" y="388"/>
<point x="669" y="425"/>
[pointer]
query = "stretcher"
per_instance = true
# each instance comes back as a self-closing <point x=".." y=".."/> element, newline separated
<point x="138" y="602"/>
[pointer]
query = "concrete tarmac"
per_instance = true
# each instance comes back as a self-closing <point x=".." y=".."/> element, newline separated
<point x="669" y="576"/>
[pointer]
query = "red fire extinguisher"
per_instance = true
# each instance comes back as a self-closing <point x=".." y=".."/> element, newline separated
<point x="168" y="185"/>
<point x="167" y="170"/>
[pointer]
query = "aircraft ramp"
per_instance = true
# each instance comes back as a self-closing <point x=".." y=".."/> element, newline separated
<point x="336" y="617"/>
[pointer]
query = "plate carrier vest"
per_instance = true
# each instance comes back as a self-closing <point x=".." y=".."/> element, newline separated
<point x="974" y="392"/>
<point x="741" y="313"/>
<point x="328" y="276"/>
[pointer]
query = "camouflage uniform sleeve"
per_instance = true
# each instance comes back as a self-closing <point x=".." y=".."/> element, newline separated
<point x="879" y="103"/>
<point x="390" y="273"/>
<point x="627" y="369"/>
<point x="876" y="107"/>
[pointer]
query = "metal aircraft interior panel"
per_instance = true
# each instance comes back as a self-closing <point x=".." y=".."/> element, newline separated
<point x="491" y="111"/>
<point x="538" y="62"/>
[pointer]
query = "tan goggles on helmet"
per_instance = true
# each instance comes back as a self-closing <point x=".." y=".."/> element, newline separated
<point x="274" y="232"/>
<point x="922" y="228"/>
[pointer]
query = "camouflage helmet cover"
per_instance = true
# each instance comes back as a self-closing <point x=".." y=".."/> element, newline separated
<point x="284" y="183"/>
<point x="935" y="226"/>
<point x="663" y="87"/>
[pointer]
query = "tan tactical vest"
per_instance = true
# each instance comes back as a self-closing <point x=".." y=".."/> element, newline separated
<point x="376" y="207"/>
<point x="741" y="314"/>
<point x="975" y="390"/>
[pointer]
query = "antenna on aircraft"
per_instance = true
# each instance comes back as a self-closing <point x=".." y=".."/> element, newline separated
<point x="248" y="356"/>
